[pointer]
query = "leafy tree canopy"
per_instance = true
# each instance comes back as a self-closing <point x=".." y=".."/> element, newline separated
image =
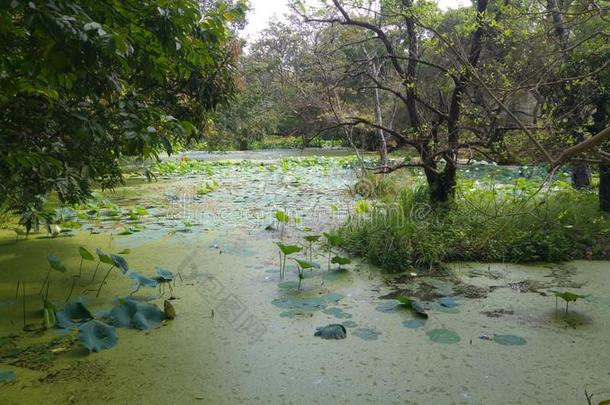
<point x="85" y="83"/>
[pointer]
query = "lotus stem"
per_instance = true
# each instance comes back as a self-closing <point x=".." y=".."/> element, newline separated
<point x="23" y="291"/>
<point x="45" y="282"/>
<point x="567" y="303"/>
<point x="71" y="289"/>
<point x="17" y="291"/>
<point x="46" y="295"/>
<point x="310" y="251"/>
<point x="95" y="272"/>
<point x="103" y="281"/>
<point x="283" y="271"/>
<point x="80" y="267"/>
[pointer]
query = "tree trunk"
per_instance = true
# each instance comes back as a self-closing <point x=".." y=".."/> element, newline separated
<point x="581" y="175"/>
<point x="383" y="146"/>
<point x="441" y="185"/>
<point x="604" y="187"/>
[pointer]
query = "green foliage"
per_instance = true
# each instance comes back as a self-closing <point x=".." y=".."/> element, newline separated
<point x="333" y="239"/>
<point x="304" y="264"/>
<point x="514" y="222"/>
<point x="289" y="249"/>
<point x="85" y="83"/>
<point x="568" y="296"/>
<point x="208" y="188"/>
<point x="282" y="217"/>
<point x="85" y="254"/>
<point x="341" y="261"/>
<point x="56" y="264"/>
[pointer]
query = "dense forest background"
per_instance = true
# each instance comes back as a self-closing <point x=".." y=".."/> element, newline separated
<point x="84" y="84"/>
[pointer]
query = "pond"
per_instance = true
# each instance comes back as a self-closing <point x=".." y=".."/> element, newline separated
<point x="491" y="333"/>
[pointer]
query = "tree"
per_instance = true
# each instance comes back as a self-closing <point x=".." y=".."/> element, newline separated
<point x="435" y="134"/>
<point x="85" y="83"/>
<point x="460" y="75"/>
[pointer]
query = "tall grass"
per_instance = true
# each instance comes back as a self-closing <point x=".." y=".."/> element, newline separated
<point x="519" y="222"/>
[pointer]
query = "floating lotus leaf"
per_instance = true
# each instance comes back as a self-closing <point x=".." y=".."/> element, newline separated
<point x="448" y="302"/>
<point x="97" y="336"/>
<point x="509" y="340"/>
<point x="287" y="285"/>
<point x="120" y="262"/>
<point x="443" y="336"/>
<point x="56" y="263"/>
<point x="7" y="376"/>
<point x="388" y="306"/>
<point x="349" y="324"/>
<point x="85" y="254"/>
<point x="367" y="333"/>
<point x="414" y="323"/>
<point x="333" y="331"/>
<point x="73" y="315"/>
<point x="164" y="274"/>
<point x="337" y="313"/>
<point x="136" y="315"/>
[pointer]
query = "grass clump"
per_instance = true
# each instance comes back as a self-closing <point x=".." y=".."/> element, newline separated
<point x="514" y="222"/>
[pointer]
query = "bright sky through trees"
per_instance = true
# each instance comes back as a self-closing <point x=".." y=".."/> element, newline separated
<point x="264" y="10"/>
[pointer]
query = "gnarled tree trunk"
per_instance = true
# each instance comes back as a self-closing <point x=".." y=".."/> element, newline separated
<point x="581" y="175"/>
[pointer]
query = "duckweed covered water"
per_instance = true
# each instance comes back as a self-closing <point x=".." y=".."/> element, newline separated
<point x="238" y="338"/>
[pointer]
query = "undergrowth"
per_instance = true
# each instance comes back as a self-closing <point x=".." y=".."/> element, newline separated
<point x="486" y="222"/>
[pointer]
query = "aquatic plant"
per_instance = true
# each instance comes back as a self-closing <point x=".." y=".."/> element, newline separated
<point x="116" y="261"/>
<point x="341" y="261"/>
<point x="208" y="188"/>
<point x="304" y="265"/>
<point x="413" y="305"/>
<point x="285" y="251"/>
<point x="73" y="315"/>
<point x="7" y="376"/>
<point x="407" y="232"/>
<point x="141" y="281"/>
<point x="49" y="315"/>
<point x="165" y="277"/>
<point x="333" y="240"/>
<point x="103" y="258"/>
<point x="84" y="255"/>
<point x="283" y="219"/>
<point x="96" y="336"/>
<point x="133" y="314"/>
<point x="567" y="297"/>
<point x="54" y="264"/>
<point x="311" y="239"/>
<point x="362" y="207"/>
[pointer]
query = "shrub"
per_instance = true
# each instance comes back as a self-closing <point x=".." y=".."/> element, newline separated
<point x="517" y="222"/>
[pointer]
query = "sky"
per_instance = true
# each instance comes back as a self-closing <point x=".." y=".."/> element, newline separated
<point x="266" y="10"/>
